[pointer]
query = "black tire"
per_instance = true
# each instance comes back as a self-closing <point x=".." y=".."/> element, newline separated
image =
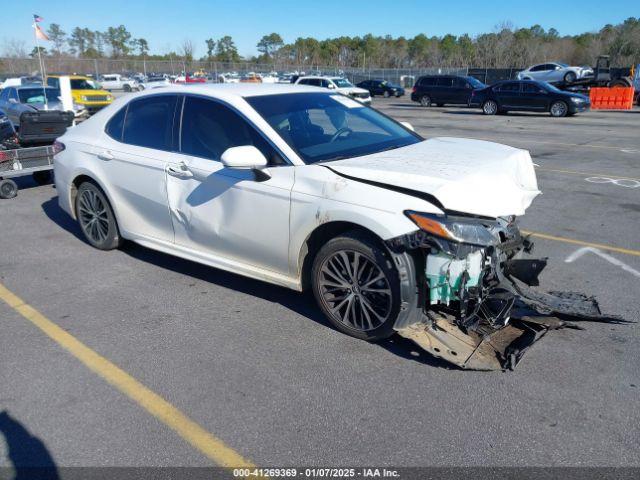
<point x="490" y="107"/>
<point x="8" y="188"/>
<point x="570" y="77"/>
<point x="96" y="218"/>
<point x="425" y="101"/>
<point x="42" y="177"/>
<point x="127" y="88"/>
<point x="376" y="307"/>
<point x="559" y="109"/>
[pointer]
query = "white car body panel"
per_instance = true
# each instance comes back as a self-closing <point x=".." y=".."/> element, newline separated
<point x="347" y="91"/>
<point x="553" y="75"/>
<point x="226" y="219"/>
<point x="117" y="82"/>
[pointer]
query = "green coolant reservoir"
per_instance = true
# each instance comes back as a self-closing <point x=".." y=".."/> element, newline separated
<point x="444" y="274"/>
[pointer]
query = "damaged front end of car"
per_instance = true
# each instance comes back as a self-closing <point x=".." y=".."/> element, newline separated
<point x="474" y="306"/>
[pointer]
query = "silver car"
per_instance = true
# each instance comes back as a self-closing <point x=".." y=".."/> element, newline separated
<point x="555" y="73"/>
<point x="14" y="101"/>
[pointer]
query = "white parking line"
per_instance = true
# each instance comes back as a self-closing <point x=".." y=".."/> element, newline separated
<point x="612" y="260"/>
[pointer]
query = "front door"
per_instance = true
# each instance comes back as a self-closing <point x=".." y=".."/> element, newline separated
<point x="509" y="95"/>
<point x="534" y="97"/>
<point x="226" y="212"/>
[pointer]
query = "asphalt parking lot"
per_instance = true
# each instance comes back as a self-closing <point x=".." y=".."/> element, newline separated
<point x="257" y="367"/>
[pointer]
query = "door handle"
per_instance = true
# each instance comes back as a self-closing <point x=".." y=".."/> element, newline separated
<point x="179" y="171"/>
<point x="106" y="155"/>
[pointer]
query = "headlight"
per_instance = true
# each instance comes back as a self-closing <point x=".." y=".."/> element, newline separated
<point x="576" y="100"/>
<point x="109" y="98"/>
<point x="84" y="98"/>
<point x="453" y="229"/>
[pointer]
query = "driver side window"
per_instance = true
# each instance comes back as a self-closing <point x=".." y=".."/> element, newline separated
<point x="209" y="128"/>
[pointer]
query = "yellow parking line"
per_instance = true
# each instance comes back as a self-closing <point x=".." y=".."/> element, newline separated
<point x="601" y="246"/>
<point x="588" y="174"/>
<point x="208" y="444"/>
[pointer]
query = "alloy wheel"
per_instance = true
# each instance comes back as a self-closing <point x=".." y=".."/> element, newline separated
<point x="559" y="109"/>
<point x="490" y="107"/>
<point x="93" y="216"/>
<point x="355" y="290"/>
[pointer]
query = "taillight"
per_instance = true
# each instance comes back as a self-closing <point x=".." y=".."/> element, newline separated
<point x="413" y="90"/>
<point x="58" y="147"/>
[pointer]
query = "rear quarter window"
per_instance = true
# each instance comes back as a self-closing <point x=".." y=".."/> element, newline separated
<point x="149" y="122"/>
<point x="115" y="125"/>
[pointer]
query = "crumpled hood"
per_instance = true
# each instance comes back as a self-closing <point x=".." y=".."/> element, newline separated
<point x="55" y="105"/>
<point x="467" y="176"/>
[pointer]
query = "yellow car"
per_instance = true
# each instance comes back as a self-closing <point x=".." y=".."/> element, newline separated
<point x="85" y="92"/>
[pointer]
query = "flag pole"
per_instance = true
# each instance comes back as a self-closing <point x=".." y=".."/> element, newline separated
<point x="44" y="91"/>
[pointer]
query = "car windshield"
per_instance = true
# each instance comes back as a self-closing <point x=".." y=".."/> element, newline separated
<point x="81" y="84"/>
<point x="342" y="83"/>
<point x="36" y="95"/>
<point x="324" y="127"/>
<point x="475" y="83"/>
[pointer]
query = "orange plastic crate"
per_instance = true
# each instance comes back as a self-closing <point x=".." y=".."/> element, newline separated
<point x="611" y="98"/>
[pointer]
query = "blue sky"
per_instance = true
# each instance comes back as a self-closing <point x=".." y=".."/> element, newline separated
<point x="165" y="24"/>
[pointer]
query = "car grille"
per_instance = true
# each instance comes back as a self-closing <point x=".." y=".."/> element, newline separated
<point x="97" y="98"/>
<point x="360" y="95"/>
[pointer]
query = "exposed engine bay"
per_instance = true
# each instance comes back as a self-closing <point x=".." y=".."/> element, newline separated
<point x="476" y="306"/>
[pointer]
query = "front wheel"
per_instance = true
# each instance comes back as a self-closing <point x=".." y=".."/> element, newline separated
<point x="559" y="109"/>
<point x="490" y="107"/>
<point x="357" y="286"/>
<point x="127" y="88"/>
<point x="96" y="218"/>
<point x="570" y="77"/>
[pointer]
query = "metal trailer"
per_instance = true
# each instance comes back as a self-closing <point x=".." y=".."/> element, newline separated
<point x="601" y="78"/>
<point x="35" y="161"/>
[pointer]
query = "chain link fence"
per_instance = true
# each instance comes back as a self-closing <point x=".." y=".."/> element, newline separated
<point x="12" y="67"/>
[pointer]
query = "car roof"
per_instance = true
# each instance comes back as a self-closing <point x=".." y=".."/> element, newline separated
<point x="239" y="89"/>
<point x="74" y="77"/>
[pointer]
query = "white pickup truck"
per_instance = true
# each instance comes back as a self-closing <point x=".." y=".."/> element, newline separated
<point x="116" y="81"/>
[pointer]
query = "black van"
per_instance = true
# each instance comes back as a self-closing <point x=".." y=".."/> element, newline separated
<point x="442" y="89"/>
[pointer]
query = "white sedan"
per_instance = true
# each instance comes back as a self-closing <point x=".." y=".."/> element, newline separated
<point x="306" y="188"/>
<point x="555" y="73"/>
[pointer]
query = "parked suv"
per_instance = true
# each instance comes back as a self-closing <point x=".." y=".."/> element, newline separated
<point x="443" y="89"/>
<point x="85" y="92"/>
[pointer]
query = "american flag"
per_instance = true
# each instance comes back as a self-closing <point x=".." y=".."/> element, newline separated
<point x="37" y="18"/>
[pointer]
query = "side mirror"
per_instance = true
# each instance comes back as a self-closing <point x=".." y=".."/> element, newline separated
<point x="331" y="86"/>
<point x="13" y="100"/>
<point x="408" y="126"/>
<point x="245" y="157"/>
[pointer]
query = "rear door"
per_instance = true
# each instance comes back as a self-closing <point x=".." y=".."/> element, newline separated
<point x="508" y="95"/>
<point x="138" y="144"/>
<point x="443" y="92"/>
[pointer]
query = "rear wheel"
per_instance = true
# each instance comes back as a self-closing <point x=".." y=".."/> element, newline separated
<point x="425" y="101"/>
<point x="357" y="286"/>
<point x="96" y="218"/>
<point x="559" y="109"/>
<point x="8" y="188"/>
<point x="127" y="87"/>
<point x="490" y="107"/>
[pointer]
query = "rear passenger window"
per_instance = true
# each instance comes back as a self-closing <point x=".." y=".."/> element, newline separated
<point x="149" y="122"/>
<point x="460" y="83"/>
<point x="209" y="128"/>
<point x="445" y="82"/>
<point x="509" y="87"/>
<point x="427" y="81"/>
<point x="114" y="127"/>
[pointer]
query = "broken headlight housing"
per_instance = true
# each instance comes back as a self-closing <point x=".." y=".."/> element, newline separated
<point x="455" y="229"/>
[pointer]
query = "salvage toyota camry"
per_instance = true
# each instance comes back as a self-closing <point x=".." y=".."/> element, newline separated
<point x="305" y="188"/>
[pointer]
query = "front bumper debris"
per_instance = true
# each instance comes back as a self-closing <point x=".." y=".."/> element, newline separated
<point x="478" y="310"/>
